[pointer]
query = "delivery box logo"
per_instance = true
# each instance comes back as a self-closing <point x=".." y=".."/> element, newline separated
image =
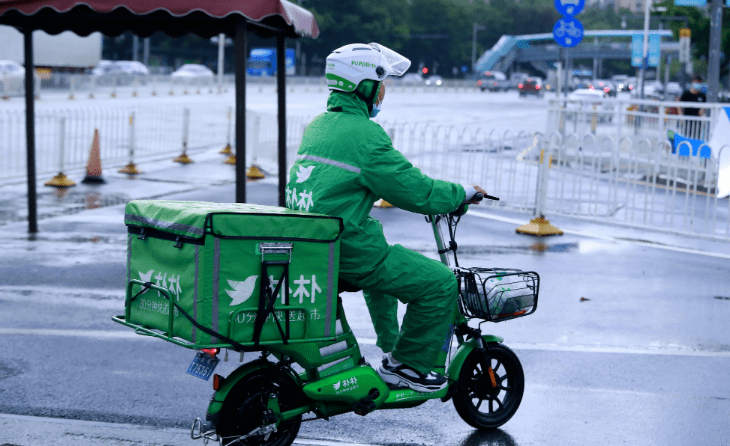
<point x="241" y="290"/>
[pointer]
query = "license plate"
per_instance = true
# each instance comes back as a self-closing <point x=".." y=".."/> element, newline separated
<point x="203" y="365"/>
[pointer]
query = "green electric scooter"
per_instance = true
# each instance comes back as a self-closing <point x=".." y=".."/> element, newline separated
<point x="264" y="401"/>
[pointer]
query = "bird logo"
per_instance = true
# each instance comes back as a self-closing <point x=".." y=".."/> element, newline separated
<point x="146" y="277"/>
<point x="337" y="385"/>
<point x="304" y="173"/>
<point x="241" y="290"/>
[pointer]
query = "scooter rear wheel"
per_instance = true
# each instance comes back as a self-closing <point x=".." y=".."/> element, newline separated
<point x="244" y="406"/>
<point x="478" y="401"/>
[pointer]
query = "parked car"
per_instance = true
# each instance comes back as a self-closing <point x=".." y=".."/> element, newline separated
<point x="621" y="82"/>
<point x="673" y="91"/>
<point x="493" y="81"/>
<point x="12" y="76"/>
<point x="589" y="102"/>
<point x="652" y="90"/>
<point x="531" y="86"/>
<point x="133" y="67"/>
<point x="110" y="73"/>
<point x="192" y="73"/>
<point x="516" y="79"/>
<point x="434" y="80"/>
<point x="605" y="85"/>
<point x="411" y="79"/>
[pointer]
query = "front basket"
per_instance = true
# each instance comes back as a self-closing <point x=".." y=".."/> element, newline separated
<point x="497" y="294"/>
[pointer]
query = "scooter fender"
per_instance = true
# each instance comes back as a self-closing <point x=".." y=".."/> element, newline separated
<point x="216" y="402"/>
<point x="463" y="351"/>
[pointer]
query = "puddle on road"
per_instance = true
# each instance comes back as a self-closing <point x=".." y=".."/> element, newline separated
<point x="87" y="199"/>
<point x="59" y="201"/>
<point x="72" y="239"/>
<point x="538" y="248"/>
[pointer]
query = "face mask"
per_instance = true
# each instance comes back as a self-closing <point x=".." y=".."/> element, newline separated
<point x="696" y="86"/>
<point x="376" y="110"/>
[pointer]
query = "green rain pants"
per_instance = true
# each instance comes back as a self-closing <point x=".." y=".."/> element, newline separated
<point x="429" y="289"/>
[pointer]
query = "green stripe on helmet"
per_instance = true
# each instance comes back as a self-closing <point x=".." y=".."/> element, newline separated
<point x="335" y="81"/>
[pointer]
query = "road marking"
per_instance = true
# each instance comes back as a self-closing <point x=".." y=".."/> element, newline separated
<point x="89" y="334"/>
<point x="137" y="427"/>
<point x="131" y="335"/>
<point x="599" y="349"/>
<point x="607" y="238"/>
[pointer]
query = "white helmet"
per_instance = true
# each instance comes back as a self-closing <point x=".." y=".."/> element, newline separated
<point x="351" y="64"/>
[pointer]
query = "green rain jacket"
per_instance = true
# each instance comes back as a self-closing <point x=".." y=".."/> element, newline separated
<point x="345" y="163"/>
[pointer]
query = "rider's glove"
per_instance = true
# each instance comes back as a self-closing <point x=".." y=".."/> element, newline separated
<point x="469" y="191"/>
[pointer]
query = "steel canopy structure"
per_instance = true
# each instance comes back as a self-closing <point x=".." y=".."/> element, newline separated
<point x="236" y="18"/>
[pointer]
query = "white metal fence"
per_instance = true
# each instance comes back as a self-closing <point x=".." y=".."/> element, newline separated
<point x="598" y="177"/>
<point x="637" y="119"/>
<point x="87" y="86"/>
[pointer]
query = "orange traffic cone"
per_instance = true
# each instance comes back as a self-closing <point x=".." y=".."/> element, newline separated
<point x="93" y="167"/>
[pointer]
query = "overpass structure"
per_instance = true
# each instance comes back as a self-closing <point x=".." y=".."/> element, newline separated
<point x="542" y="52"/>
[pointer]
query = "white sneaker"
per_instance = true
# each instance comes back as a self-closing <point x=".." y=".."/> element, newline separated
<point x="399" y="375"/>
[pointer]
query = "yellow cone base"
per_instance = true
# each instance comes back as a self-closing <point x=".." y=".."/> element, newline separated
<point x="183" y="159"/>
<point x="130" y="169"/>
<point x="226" y="150"/>
<point x="71" y="97"/>
<point x="254" y="173"/>
<point x="6" y="98"/>
<point x="230" y="160"/>
<point x="60" y="180"/>
<point x="382" y="204"/>
<point x="154" y="93"/>
<point x="113" y="95"/>
<point x="539" y="227"/>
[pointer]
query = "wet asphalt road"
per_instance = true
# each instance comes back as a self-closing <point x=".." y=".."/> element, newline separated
<point x="629" y="344"/>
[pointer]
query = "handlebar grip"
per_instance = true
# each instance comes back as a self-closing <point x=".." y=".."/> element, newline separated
<point x="477" y="197"/>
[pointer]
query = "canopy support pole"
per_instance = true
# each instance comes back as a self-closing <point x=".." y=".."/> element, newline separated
<point x="30" y="131"/>
<point x="239" y="48"/>
<point x="281" y="89"/>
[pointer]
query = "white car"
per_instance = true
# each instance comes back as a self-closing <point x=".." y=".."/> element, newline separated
<point x="411" y="79"/>
<point x="192" y="73"/>
<point x="589" y="102"/>
<point x="434" y="80"/>
<point x="12" y="77"/>
<point x="673" y="91"/>
<point x="133" y="67"/>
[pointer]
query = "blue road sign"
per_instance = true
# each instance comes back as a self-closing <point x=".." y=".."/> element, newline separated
<point x="654" y="51"/>
<point x="569" y="8"/>
<point x="568" y="32"/>
<point x="690" y="2"/>
<point x="637" y="49"/>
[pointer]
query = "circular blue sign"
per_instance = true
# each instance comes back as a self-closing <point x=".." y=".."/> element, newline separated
<point x="568" y="32"/>
<point x="569" y="8"/>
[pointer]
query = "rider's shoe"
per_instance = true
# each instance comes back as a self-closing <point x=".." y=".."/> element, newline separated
<point x="397" y="374"/>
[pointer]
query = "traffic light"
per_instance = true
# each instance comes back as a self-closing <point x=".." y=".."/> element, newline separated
<point x="425" y="70"/>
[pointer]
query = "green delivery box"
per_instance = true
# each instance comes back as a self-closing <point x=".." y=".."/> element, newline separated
<point x="253" y="274"/>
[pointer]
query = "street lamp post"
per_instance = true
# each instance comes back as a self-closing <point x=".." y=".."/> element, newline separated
<point x="477" y="27"/>
<point x="713" y="62"/>
<point x="645" y="49"/>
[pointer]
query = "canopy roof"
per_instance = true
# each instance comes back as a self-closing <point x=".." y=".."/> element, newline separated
<point x="173" y="17"/>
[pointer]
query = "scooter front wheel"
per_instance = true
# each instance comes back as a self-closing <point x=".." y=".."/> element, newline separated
<point x="246" y="405"/>
<point x="489" y="390"/>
